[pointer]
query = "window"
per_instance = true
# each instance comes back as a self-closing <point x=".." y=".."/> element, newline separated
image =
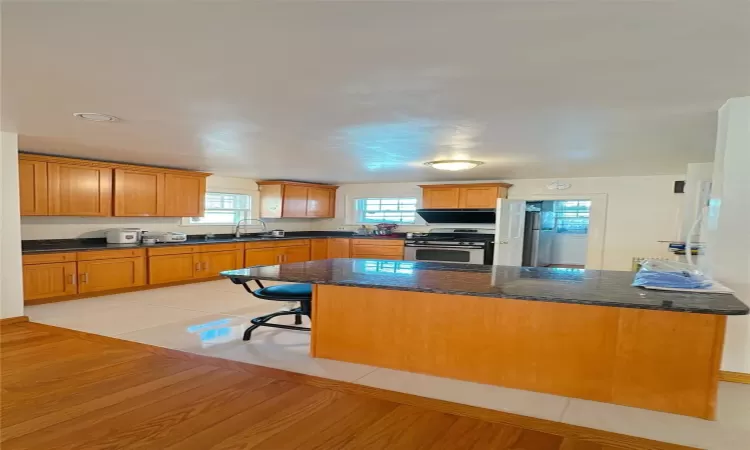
<point x="391" y="210"/>
<point x="572" y="216"/>
<point x="223" y="209"/>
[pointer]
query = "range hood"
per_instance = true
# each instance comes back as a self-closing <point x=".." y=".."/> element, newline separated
<point x="466" y="215"/>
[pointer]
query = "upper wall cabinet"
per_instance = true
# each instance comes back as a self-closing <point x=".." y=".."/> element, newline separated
<point x="454" y="196"/>
<point x="57" y="186"/>
<point x="185" y="195"/>
<point x="285" y="199"/>
<point x="79" y="190"/>
<point x="139" y="193"/>
<point x="32" y="176"/>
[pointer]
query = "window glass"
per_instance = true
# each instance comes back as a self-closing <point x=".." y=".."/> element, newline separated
<point x="572" y="216"/>
<point x="392" y="210"/>
<point x="224" y="209"/>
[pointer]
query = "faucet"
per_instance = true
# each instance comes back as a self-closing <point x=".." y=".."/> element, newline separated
<point x="237" y="228"/>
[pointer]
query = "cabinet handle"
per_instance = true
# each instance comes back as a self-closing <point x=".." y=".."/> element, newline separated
<point x="84" y="277"/>
<point x="205" y="266"/>
<point x="72" y="279"/>
<point x="197" y="267"/>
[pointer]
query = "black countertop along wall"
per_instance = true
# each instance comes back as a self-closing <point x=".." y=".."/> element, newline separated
<point x="81" y="245"/>
<point x="578" y="286"/>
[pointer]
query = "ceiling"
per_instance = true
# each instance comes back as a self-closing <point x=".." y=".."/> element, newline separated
<point x="368" y="91"/>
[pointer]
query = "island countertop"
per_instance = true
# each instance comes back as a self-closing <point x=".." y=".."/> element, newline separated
<point x="576" y="286"/>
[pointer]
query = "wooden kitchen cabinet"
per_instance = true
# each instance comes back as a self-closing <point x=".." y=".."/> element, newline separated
<point x="110" y="274"/>
<point x="453" y="196"/>
<point x="338" y="248"/>
<point x="138" y="193"/>
<point x="294" y="201"/>
<point x="184" y="195"/>
<point x="282" y="199"/>
<point x="49" y="280"/>
<point x="261" y="257"/>
<point x="32" y="184"/>
<point x="212" y="263"/>
<point x="318" y="249"/>
<point x="320" y="202"/>
<point x="377" y="249"/>
<point x="170" y="268"/>
<point x="79" y="190"/>
<point x="439" y="198"/>
<point x="294" y="254"/>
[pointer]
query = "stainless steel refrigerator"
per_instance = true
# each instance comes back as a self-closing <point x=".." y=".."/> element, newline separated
<point x="531" y="238"/>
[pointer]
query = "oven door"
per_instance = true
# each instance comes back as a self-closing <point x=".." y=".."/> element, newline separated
<point x="466" y="255"/>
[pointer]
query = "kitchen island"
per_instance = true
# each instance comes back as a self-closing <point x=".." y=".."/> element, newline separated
<point x="572" y="332"/>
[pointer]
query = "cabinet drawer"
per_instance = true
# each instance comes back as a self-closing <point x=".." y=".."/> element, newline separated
<point x="397" y="257"/>
<point x="371" y="250"/>
<point x="175" y="250"/>
<point x="293" y="243"/>
<point x="276" y="244"/>
<point x="379" y="242"/>
<point x="43" y="258"/>
<point x="217" y="247"/>
<point x="110" y="254"/>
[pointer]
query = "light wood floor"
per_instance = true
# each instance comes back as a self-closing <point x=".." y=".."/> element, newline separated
<point x="66" y="389"/>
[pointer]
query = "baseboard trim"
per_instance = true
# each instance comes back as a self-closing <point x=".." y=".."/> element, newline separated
<point x="12" y="320"/>
<point x="734" y="377"/>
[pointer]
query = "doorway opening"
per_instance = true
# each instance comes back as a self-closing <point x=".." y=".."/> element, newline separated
<point x="556" y="233"/>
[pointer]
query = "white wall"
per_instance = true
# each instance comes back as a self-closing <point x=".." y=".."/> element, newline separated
<point x="727" y="228"/>
<point x="11" y="287"/>
<point x="568" y="248"/>
<point x="641" y="210"/>
<point x="92" y="227"/>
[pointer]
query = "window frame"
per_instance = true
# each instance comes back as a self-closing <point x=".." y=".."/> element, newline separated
<point x="358" y="213"/>
<point x="188" y="221"/>
<point x="578" y="215"/>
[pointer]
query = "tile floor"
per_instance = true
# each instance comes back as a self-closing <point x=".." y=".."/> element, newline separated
<point x="209" y="318"/>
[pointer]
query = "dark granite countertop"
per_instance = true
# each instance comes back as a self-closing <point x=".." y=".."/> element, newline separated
<point x="82" y="245"/>
<point x="587" y="287"/>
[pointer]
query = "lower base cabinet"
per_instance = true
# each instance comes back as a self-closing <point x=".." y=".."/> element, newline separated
<point x="111" y="274"/>
<point x="212" y="263"/>
<point x="170" y="268"/>
<point x="49" y="280"/>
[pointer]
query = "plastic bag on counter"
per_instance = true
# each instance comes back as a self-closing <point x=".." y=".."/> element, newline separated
<point x="671" y="275"/>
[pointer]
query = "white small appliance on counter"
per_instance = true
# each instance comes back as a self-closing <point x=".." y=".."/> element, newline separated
<point x="123" y="236"/>
<point x="170" y="236"/>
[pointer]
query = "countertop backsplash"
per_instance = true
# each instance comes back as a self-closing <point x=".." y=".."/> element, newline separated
<point x="64" y="227"/>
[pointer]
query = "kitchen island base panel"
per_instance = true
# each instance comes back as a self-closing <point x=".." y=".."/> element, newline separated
<point x="659" y="360"/>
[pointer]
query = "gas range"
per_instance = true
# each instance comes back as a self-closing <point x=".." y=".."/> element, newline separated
<point x="466" y="245"/>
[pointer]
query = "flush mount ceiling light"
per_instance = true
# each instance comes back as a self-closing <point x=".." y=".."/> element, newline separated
<point x="96" y="117"/>
<point x="453" y="164"/>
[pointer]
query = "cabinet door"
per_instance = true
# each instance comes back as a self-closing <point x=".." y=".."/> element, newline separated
<point x="478" y="197"/>
<point x="270" y="201"/>
<point x="338" y="248"/>
<point x="139" y="193"/>
<point x="49" y="280"/>
<point x="318" y="249"/>
<point x="79" y="190"/>
<point x="184" y="195"/>
<point x="437" y="198"/>
<point x="110" y="274"/>
<point x="214" y="262"/>
<point x="32" y="184"/>
<point x="319" y="202"/>
<point x="295" y="254"/>
<point x="262" y="257"/>
<point x="169" y="268"/>
<point x="295" y="201"/>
